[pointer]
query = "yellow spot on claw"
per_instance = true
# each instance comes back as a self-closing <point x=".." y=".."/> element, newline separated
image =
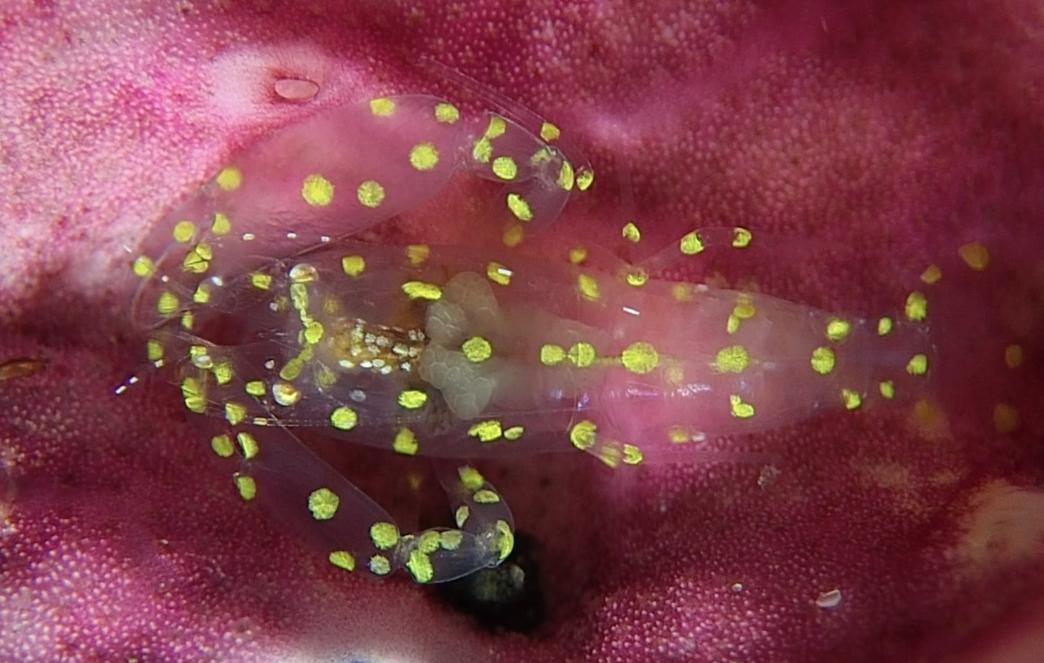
<point x="822" y="360"/>
<point x="852" y="399"/>
<point x="731" y="359"/>
<point x="424" y="156"/>
<point x="582" y="434"/>
<point x="486" y="431"/>
<point x="446" y="113"/>
<point x="691" y="244"/>
<point x="975" y="255"/>
<point x="183" y="231"/>
<point x="505" y="168"/>
<point x="384" y="535"/>
<point x="837" y="329"/>
<point x="551" y="354"/>
<point x="549" y="132"/>
<point x="918" y="365"/>
<point x="343" y="418"/>
<point x="631" y="233"/>
<point x="382" y="106"/>
<point x="741" y="238"/>
<point x="588" y="287"/>
<point x="421" y="290"/>
<point x="471" y="478"/>
<point x="317" y="191"/>
<point x="640" y="357"/>
<point x="405" y="442"/>
<point x="519" y="207"/>
<point x="229" y="178"/>
<point x="916" y="306"/>
<point x="323" y="503"/>
<point x="353" y="265"/>
<point x="370" y="193"/>
<point x="342" y="559"/>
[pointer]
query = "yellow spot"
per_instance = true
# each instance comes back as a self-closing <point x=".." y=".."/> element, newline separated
<point x="424" y="156"/>
<point x="691" y="244"/>
<point x="732" y="359"/>
<point x="451" y="539"/>
<point x="382" y="106"/>
<point x="743" y="310"/>
<point x="302" y="272"/>
<point x="154" y="349"/>
<point x="679" y="434"/>
<point x="342" y="559"/>
<point x="235" y="413"/>
<point x="739" y="409"/>
<point x="632" y="455"/>
<point x="640" y="357"/>
<point x="918" y="365"/>
<point x="822" y="360"/>
<point x="167" y="303"/>
<point x="1013" y="356"/>
<point x="916" y="306"/>
<point x="505" y="539"/>
<point x="851" y="398"/>
<point x="343" y="418"/>
<point x="887" y="389"/>
<point x="197" y="260"/>
<point x="187" y="319"/>
<point x="313" y="332"/>
<point x="931" y="275"/>
<point x="353" y="265"/>
<point x="682" y="292"/>
<point x="513" y="235"/>
<point x="221" y="225"/>
<point x="519" y="207"/>
<point x="183" y="231"/>
<point x="637" y="278"/>
<point x="631" y="233"/>
<point x="838" y="329"/>
<point x="486" y="431"/>
<point x="498" y="273"/>
<point x="740" y="237"/>
<point x="405" y="442"/>
<point x="222" y="373"/>
<point x="471" y="478"/>
<point x="379" y="565"/>
<point x="417" y="253"/>
<point x="505" y="168"/>
<point x="582" y="354"/>
<point x="446" y="113"/>
<point x="285" y="393"/>
<point x="566" y="178"/>
<point x="486" y="497"/>
<point x="513" y="433"/>
<point x="582" y="434"/>
<point x="143" y="266"/>
<point x="884" y="326"/>
<point x="477" y="349"/>
<point x="412" y="399"/>
<point x="317" y="190"/>
<point x="925" y="414"/>
<point x="260" y="281"/>
<point x="222" y="445"/>
<point x="246" y="486"/>
<point x="482" y="150"/>
<point x="384" y="535"/>
<point x="200" y="358"/>
<point x="584" y="178"/>
<point x="419" y="566"/>
<point x="229" y="178"/>
<point x="370" y="193"/>
<point x="1005" y="418"/>
<point x="549" y="132"/>
<point x="496" y="127"/>
<point x="323" y="503"/>
<point x="421" y="290"/>
<point x="247" y="445"/>
<point x="460" y="516"/>
<point x="588" y="287"/>
<point x="975" y="255"/>
<point x="292" y="369"/>
<point x="428" y="542"/>
<point x="255" y="388"/>
<point x="202" y="293"/>
<point x="551" y="354"/>
<point x="194" y="396"/>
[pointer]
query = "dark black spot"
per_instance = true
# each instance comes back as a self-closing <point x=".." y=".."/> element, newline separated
<point x="505" y="599"/>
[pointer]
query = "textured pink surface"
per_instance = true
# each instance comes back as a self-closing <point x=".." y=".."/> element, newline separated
<point x="886" y="134"/>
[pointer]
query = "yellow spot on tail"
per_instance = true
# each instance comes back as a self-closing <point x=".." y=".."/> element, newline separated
<point x="496" y="127"/>
<point x="916" y="306"/>
<point x="584" y="178"/>
<point x="731" y="359"/>
<point x="234" y="413"/>
<point x="247" y="445"/>
<point x="405" y="442"/>
<point x="486" y="497"/>
<point x="370" y="193"/>
<point x="486" y="431"/>
<point x="183" y="231"/>
<point x="566" y="178"/>
<point x="632" y="455"/>
<point x="931" y="275"/>
<point x="477" y="349"/>
<point x="884" y="326"/>
<point x="154" y="349"/>
<point x="1005" y="418"/>
<point x="887" y="389"/>
<point x="202" y="293"/>
<point x="143" y="266"/>
<point x="741" y="238"/>
<point x="229" y="178"/>
<point x="549" y="132"/>
<point x="382" y="106"/>
<point x="353" y="265"/>
<point x="691" y="244"/>
<point x="513" y="433"/>
<point x="577" y="255"/>
<point x="739" y="409"/>
<point x="637" y="277"/>
<point x="551" y="354"/>
<point x="194" y="396"/>
<point x="222" y="445"/>
<point x="505" y="168"/>
<point x="631" y="233"/>
<point x="221" y="225"/>
<point x="379" y="565"/>
<point x="588" y="287"/>
<point x="323" y="503"/>
<point x="246" y="486"/>
<point x="424" y="156"/>
<point x="471" y="478"/>
<point x="837" y="329"/>
<point x="317" y="191"/>
<point x="975" y="255"/>
<point x="851" y="398"/>
<point x="582" y="434"/>
<point x="343" y="418"/>
<point x="498" y="273"/>
<point x="519" y="207"/>
<point x="1013" y="356"/>
<point x="342" y="559"/>
<point x="446" y="113"/>
<point x="167" y="303"/>
<point x="412" y="399"/>
<point x="582" y="354"/>
<point x="384" y="535"/>
<point x="918" y="365"/>
<point x="420" y="567"/>
<point x="421" y="290"/>
<point x="255" y="388"/>
<point x="823" y="360"/>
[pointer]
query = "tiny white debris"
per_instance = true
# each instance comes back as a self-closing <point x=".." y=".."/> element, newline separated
<point x="830" y="599"/>
<point x="737" y="587"/>
<point x="768" y="476"/>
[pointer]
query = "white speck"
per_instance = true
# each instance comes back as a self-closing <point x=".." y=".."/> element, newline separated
<point x="632" y="311"/>
<point x="768" y="476"/>
<point x="737" y="587"/>
<point x="357" y="395"/>
<point x="830" y="599"/>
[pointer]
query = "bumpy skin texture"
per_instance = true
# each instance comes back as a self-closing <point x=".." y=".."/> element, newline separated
<point x="889" y="134"/>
